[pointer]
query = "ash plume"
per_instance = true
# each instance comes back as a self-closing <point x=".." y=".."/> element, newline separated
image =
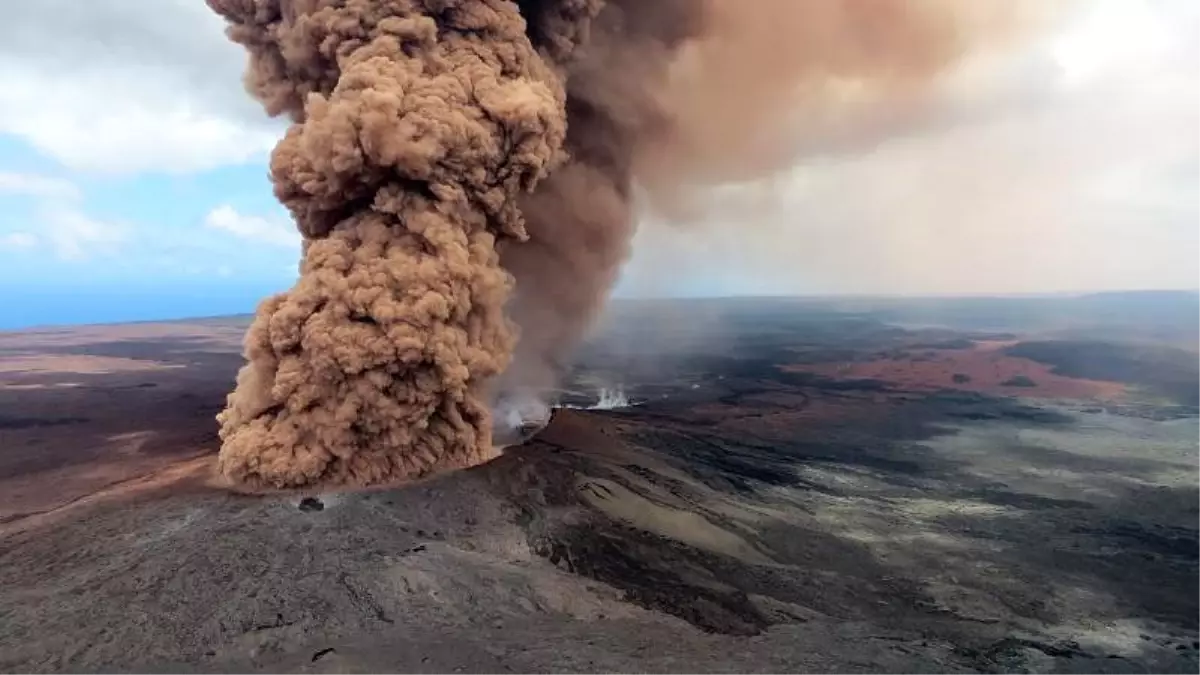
<point x="669" y="98"/>
<point x="465" y="175"/>
<point x="416" y="126"/>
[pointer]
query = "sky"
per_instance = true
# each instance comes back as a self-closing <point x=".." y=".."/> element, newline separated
<point x="133" y="175"/>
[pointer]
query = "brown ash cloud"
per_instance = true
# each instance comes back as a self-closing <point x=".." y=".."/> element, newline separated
<point x="466" y="175"/>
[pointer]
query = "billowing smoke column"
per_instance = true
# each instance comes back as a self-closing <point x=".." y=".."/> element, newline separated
<point x="464" y="171"/>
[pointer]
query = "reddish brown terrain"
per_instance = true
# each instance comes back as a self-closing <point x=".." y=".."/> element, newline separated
<point x="800" y="490"/>
<point x="982" y="366"/>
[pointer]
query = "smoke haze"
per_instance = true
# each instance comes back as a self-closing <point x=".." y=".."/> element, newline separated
<point x="1064" y="164"/>
<point x="465" y="175"/>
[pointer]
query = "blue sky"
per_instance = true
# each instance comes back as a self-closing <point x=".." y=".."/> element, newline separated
<point x="76" y="246"/>
<point x="133" y="176"/>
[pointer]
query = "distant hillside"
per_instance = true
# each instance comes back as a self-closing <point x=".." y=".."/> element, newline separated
<point x="1169" y="317"/>
<point x="1167" y="371"/>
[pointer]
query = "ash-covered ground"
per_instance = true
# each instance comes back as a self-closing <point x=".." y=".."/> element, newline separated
<point x="800" y="486"/>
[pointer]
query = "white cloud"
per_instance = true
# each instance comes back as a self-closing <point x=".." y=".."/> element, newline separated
<point x="75" y="236"/>
<point x="71" y="234"/>
<point x="35" y="185"/>
<point x="252" y="228"/>
<point x="17" y="241"/>
<point x="111" y="86"/>
<point x="52" y="113"/>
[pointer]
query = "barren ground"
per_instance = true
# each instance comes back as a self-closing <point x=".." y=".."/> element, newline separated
<point x="790" y="494"/>
<point x="980" y="366"/>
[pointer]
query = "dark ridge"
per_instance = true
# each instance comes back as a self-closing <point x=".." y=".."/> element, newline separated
<point x="1168" y="371"/>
